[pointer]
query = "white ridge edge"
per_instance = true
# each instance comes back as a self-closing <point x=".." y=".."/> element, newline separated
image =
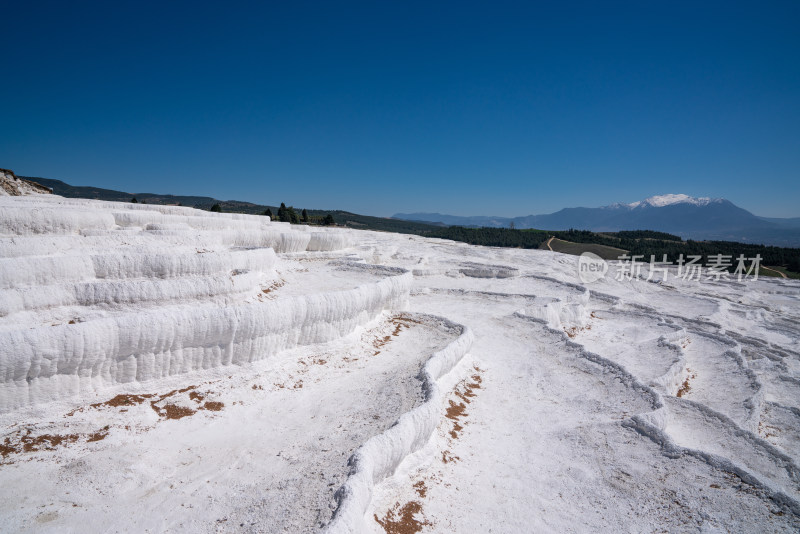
<point x="381" y="454"/>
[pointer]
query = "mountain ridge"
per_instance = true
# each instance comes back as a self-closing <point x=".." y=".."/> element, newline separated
<point x="690" y="217"/>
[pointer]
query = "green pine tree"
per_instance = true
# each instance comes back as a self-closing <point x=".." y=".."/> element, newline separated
<point x="283" y="213"/>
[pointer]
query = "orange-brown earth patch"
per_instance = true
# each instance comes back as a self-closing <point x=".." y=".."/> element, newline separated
<point x="273" y="286"/>
<point x="400" y="321"/>
<point x="24" y="441"/>
<point x="173" y="411"/>
<point x="686" y="387"/>
<point x="465" y="392"/>
<point x="403" y="519"/>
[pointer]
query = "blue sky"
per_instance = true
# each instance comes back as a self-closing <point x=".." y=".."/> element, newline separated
<point x="383" y="107"/>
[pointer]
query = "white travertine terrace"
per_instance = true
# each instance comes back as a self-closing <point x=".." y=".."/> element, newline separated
<point x="170" y="369"/>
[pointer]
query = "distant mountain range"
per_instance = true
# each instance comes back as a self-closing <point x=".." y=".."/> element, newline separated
<point x="688" y="217"/>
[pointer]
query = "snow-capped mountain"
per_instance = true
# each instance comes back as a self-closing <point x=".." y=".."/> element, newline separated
<point x="660" y="201"/>
<point x="684" y="215"/>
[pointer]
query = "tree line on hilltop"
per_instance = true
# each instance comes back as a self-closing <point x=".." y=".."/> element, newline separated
<point x="287" y="214"/>
<point x="645" y="243"/>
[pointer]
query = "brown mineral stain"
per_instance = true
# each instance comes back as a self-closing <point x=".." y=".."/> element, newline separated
<point x="456" y="411"/>
<point x="448" y="457"/>
<point x="571" y="332"/>
<point x="767" y="431"/>
<point x="99" y="435"/>
<point x="685" y="387"/>
<point x="123" y="400"/>
<point x="23" y="441"/>
<point x="20" y="442"/>
<point x="5" y="449"/>
<point x="401" y="520"/>
<point x="274" y="286"/>
<point x="171" y="411"/>
<point x="400" y="322"/>
<point x="47" y="441"/>
<point x="464" y="396"/>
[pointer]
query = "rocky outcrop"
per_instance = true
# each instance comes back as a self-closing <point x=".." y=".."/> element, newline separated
<point x="10" y="185"/>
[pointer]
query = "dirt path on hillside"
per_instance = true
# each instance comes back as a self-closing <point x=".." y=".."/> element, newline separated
<point x="774" y="271"/>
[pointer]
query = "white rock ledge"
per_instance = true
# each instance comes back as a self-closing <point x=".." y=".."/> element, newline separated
<point x="54" y="362"/>
<point x="379" y="457"/>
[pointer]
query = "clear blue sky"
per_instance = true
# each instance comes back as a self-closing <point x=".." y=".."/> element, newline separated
<point x="382" y="107"/>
